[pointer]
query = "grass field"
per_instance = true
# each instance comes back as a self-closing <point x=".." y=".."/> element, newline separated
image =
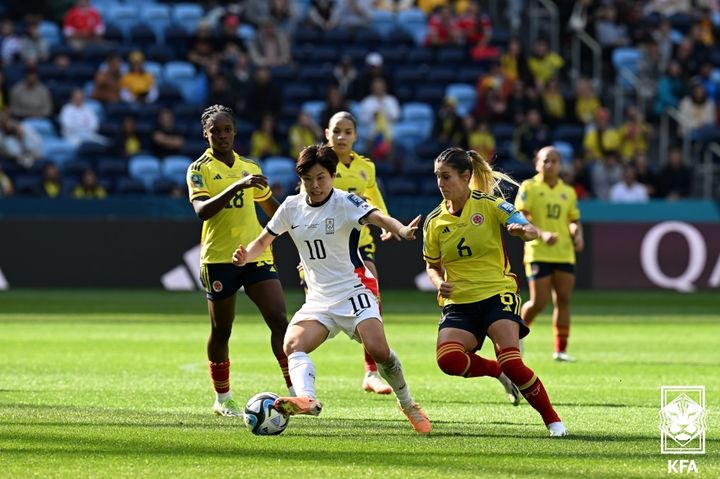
<point x="115" y="384"/>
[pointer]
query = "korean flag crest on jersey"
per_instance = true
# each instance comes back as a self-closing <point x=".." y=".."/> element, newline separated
<point x="330" y="226"/>
<point x="507" y="207"/>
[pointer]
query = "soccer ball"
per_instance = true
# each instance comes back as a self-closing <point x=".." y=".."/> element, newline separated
<point x="261" y="417"/>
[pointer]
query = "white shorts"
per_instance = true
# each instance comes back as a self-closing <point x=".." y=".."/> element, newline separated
<point x="344" y="315"/>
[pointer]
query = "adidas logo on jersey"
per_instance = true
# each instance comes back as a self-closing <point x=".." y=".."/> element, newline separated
<point x="217" y="177"/>
<point x="446" y="230"/>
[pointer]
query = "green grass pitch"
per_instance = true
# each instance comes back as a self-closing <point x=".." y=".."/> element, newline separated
<point x="115" y="384"/>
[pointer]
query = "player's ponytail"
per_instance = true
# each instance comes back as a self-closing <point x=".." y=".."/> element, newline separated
<point x="483" y="177"/>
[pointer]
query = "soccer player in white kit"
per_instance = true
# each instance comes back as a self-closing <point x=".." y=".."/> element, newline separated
<point x="325" y="223"/>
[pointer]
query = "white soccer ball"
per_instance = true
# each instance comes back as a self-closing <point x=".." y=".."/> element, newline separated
<point x="261" y="417"/>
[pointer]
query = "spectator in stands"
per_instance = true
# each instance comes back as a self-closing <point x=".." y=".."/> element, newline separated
<point x="513" y="66"/>
<point x="587" y="103"/>
<point x="166" y="138"/>
<point x="476" y="30"/>
<point x="78" y="122"/>
<point x="354" y="14"/>
<point x="394" y="5"/>
<point x="18" y="141"/>
<point x="667" y="8"/>
<point x="265" y="97"/>
<point x="240" y="83"/>
<point x="10" y="43"/>
<point x="302" y="133"/>
<point x="6" y="185"/>
<point x="670" y="88"/>
<point x="448" y="126"/>
<point x="345" y="75"/>
<point x="228" y="43"/>
<point x="334" y="102"/>
<point x="107" y="80"/>
<point x="284" y="13"/>
<point x="30" y="97"/>
<point x="609" y="32"/>
<point x="89" y="188"/>
<point x="662" y="37"/>
<point x="605" y="173"/>
<point x="544" y="63"/>
<point x="3" y="92"/>
<point x="629" y="190"/>
<point x="379" y="106"/>
<point x="601" y="138"/>
<point x="51" y="183"/>
<point x="490" y="106"/>
<point x="515" y="106"/>
<point x="553" y="103"/>
<point x="689" y="56"/>
<point x="706" y="26"/>
<point x="34" y="48"/>
<point x="675" y="178"/>
<point x="696" y="110"/>
<point x="705" y="77"/>
<point x="648" y="69"/>
<point x="219" y="92"/>
<point x="323" y="14"/>
<point x="646" y="175"/>
<point x="82" y="24"/>
<point x="530" y="136"/>
<point x="634" y="134"/>
<point x="203" y="47"/>
<point x="373" y="69"/>
<point x="442" y="28"/>
<point x="270" y="47"/>
<point x="128" y="142"/>
<point x="138" y="85"/>
<point x="479" y="138"/>
<point x="580" y="175"/>
<point x="265" y="142"/>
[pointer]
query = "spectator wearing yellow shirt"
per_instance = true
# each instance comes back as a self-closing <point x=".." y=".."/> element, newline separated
<point x="303" y="133"/>
<point x="89" y="187"/>
<point x="553" y="102"/>
<point x="51" y="186"/>
<point x="138" y="85"/>
<point x="586" y="101"/>
<point x="634" y="135"/>
<point x="479" y="138"/>
<point x="544" y="63"/>
<point x="264" y="142"/>
<point x="601" y="138"/>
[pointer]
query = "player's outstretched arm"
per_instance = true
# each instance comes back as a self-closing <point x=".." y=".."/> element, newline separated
<point x="243" y="256"/>
<point x="206" y="207"/>
<point x="392" y="225"/>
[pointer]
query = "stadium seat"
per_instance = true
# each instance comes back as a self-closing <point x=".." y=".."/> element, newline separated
<point x="76" y="167"/>
<point x="57" y="150"/>
<point x="570" y="133"/>
<point x="419" y="56"/>
<point x="112" y="167"/>
<point x="246" y="32"/>
<point x="323" y="54"/>
<point x="409" y="75"/>
<point x="626" y="58"/>
<point x="181" y="75"/>
<point x="450" y="56"/>
<point x="50" y="32"/>
<point x="143" y="36"/>
<point x="566" y="151"/>
<point x="465" y="96"/>
<point x="393" y="54"/>
<point x="157" y="17"/>
<point x="441" y="74"/>
<point x="314" y="108"/>
<point x="369" y="39"/>
<point x="174" y="168"/>
<point x="129" y="186"/>
<point x="419" y="114"/>
<point x="430" y="94"/>
<point x="124" y="17"/>
<point x="399" y="36"/>
<point x="299" y="92"/>
<point x="399" y="185"/>
<point x="27" y="185"/>
<point x="144" y="168"/>
<point x="383" y="22"/>
<point x="414" y="22"/>
<point x="187" y="15"/>
<point x="407" y="134"/>
<point x="280" y="170"/>
<point x="502" y="131"/>
<point x="43" y="126"/>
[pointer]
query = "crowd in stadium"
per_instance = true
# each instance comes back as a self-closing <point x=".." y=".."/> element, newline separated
<point x="104" y="97"/>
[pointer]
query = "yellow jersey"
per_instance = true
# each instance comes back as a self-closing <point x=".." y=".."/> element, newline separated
<point x="550" y="209"/>
<point x="359" y="177"/>
<point x="235" y="224"/>
<point x="470" y="248"/>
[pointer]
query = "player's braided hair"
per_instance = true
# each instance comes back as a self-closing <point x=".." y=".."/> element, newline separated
<point x="483" y="178"/>
<point x="212" y="111"/>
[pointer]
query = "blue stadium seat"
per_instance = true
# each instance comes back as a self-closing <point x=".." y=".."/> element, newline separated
<point x="246" y="32"/>
<point x="280" y="170"/>
<point x="566" y="151"/>
<point x="442" y="74"/>
<point x="50" y="32"/>
<point x="112" y="167"/>
<point x="27" y="185"/>
<point x="626" y="58"/>
<point x="57" y="150"/>
<point x="76" y="167"/>
<point x="419" y="113"/>
<point x="299" y="92"/>
<point x="43" y="126"/>
<point x="399" y="185"/>
<point x="124" y="17"/>
<point x="143" y="36"/>
<point x="156" y="16"/>
<point x="187" y="15"/>
<point x="407" y="134"/>
<point x="502" y="131"/>
<point x="383" y="22"/>
<point x="410" y="75"/>
<point x="369" y="39"/>
<point x="393" y="54"/>
<point x="451" y="56"/>
<point x="314" y="108"/>
<point x="414" y="22"/>
<point x="419" y="56"/>
<point x="129" y="186"/>
<point x="144" y="168"/>
<point x="465" y="96"/>
<point x="571" y="133"/>
<point x="182" y="75"/>
<point x="431" y="94"/>
<point x="175" y="167"/>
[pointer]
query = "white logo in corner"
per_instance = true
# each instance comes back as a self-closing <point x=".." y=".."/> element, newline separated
<point x="682" y="420"/>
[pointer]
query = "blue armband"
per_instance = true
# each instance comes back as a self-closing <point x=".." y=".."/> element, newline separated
<point x="517" y="218"/>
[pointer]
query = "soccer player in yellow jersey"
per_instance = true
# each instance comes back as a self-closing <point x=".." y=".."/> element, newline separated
<point x="356" y="174"/>
<point x="551" y="205"/>
<point x="224" y="188"/>
<point x="467" y="263"/>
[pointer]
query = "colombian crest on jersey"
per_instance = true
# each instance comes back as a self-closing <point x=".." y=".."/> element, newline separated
<point x="477" y="219"/>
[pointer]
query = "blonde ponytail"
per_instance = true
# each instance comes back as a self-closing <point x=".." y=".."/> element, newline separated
<point x="484" y="178"/>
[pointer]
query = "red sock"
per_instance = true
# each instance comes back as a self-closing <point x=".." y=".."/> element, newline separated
<point x="529" y="384"/>
<point x="220" y="375"/>
<point x="370" y="366"/>
<point x="561" y="334"/>
<point x="455" y="361"/>
<point x="283" y="362"/>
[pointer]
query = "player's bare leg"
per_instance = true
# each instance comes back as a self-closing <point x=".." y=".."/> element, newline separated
<point x="372" y="382"/>
<point x="222" y="315"/>
<point x="562" y="287"/>
<point x="539" y="295"/>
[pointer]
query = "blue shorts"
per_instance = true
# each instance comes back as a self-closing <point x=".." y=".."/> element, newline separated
<point x="222" y="280"/>
<point x="477" y="317"/>
<point x="539" y="269"/>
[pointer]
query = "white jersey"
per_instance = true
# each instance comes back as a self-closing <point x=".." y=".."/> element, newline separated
<point x="326" y="237"/>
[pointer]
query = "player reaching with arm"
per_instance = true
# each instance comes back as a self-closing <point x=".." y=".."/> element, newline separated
<point x="223" y="188"/>
<point x="325" y="223"/>
<point x="466" y="261"/>
<point x="549" y="260"/>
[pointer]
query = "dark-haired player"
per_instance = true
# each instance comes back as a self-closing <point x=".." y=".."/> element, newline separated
<point x="224" y="188"/>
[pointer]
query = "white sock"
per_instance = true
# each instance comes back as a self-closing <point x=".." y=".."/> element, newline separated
<point x="222" y="397"/>
<point x="391" y="371"/>
<point x="302" y="374"/>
